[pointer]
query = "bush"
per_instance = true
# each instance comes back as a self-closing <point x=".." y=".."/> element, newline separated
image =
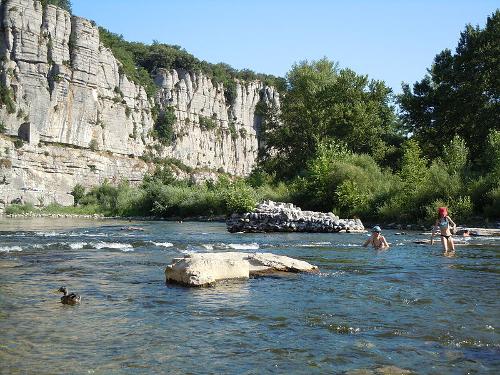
<point x="64" y="4"/>
<point x="93" y="145"/>
<point x="164" y="126"/>
<point x="140" y="61"/>
<point x="492" y="208"/>
<point x="239" y="198"/>
<point x="18" y="143"/>
<point x="6" y="95"/>
<point x="207" y="123"/>
<point x="232" y="130"/>
<point x="55" y="208"/>
<point x="461" y="208"/>
<point x="18" y="209"/>
<point x="78" y="193"/>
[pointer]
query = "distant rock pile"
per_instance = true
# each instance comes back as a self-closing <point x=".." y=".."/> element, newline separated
<point x="272" y="216"/>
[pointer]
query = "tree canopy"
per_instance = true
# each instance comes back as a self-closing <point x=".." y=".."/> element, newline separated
<point x="325" y="103"/>
<point x="460" y="95"/>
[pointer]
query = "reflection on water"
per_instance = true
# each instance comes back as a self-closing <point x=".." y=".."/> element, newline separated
<point x="408" y="308"/>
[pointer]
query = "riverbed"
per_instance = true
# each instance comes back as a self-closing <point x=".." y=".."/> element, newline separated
<point x="365" y="312"/>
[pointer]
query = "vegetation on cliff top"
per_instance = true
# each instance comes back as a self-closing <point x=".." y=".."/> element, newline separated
<point x="64" y="4"/>
<point x="140" y="62"/>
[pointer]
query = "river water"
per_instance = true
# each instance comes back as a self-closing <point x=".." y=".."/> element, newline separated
<point x="365" y="312"/>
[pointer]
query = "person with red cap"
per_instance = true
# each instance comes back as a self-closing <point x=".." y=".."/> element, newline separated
<point x="444" y="225"/>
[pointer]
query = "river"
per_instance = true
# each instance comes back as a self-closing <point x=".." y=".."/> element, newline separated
<point x="408" y="307"/>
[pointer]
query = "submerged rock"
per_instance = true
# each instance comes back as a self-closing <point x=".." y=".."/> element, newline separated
<point x="285" y="217"/>
<point x="207" y="268"/>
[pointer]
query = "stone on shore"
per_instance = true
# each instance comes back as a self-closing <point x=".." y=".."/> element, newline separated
<point x="206" y="268"/>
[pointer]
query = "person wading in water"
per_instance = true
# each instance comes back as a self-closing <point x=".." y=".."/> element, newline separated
<point x="444" y="224"/>
<point x="376" y="239"/>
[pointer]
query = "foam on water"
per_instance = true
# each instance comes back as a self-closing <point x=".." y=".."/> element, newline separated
<point x="316" y="244"/>
<point x="77" y="245"/>
<point x="8" y="249"/>
<point x="163" y="244"/>
<point x="243" y="246"/>
<point x="113" y="245"/>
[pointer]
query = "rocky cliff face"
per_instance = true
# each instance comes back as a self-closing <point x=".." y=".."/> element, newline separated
<point x="60" y="85"/>
<point x="231" y="143"/>
<point x="65" y="86"/>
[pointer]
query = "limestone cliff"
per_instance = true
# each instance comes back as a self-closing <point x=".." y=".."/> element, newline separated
<point x="231" y="144"/>
<point x="61" y="86"/>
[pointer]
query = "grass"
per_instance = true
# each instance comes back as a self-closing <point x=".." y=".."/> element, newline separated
<point x="52" y="209"/>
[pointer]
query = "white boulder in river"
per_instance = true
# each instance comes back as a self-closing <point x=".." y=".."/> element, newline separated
<point x="206" y="268"/>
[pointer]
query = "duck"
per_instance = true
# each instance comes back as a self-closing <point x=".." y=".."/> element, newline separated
<point x="69" y="299"/>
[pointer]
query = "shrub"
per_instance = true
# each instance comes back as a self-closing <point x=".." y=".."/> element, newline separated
<point x="207" y="123"/>
<point x="5" y="163"/>
<point x="239" y="198"/>
<point x="55" y="208"/>
<point x="164" y="126"/>
<point x="93" y="145"/>
<point x="18" y="143"/>
<point x="78" y="193"/>
<point x="6" y="95"/>
<point x="232" y="130"/>
<point x="17" y="209"/>
<point x="139" y="61"/>
<point x="64" y="4"/>
<point x="461" y="208"/>
<point x="492" y="208"/>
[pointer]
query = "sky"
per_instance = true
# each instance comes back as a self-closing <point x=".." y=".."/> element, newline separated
<point x="393" y="40"/>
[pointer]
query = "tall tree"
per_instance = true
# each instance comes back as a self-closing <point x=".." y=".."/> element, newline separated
<point x="460" y="95"/>
<point x="324" y="103"/>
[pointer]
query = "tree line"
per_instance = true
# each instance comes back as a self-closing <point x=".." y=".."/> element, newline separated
<point x="341" y="143"/>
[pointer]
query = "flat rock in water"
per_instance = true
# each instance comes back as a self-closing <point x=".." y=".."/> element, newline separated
<point x="207" y="268"/>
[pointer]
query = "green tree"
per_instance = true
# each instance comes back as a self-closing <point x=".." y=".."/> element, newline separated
<point x="78" y="193"/>
<point x="324" y="103"/>
<point x="460" y="95"/>
<point x="164" y="126"/>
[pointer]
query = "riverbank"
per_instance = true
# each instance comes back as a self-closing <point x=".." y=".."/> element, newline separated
<point x="30" y="215"/>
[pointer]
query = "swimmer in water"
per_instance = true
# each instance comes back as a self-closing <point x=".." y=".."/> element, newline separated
<point x="376" y="239"/>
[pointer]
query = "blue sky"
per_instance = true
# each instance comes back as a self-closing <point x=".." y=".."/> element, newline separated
<point x="392" y="40"/>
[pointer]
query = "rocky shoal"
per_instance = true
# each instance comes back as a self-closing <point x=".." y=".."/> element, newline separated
<point x="272" y="216"/>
